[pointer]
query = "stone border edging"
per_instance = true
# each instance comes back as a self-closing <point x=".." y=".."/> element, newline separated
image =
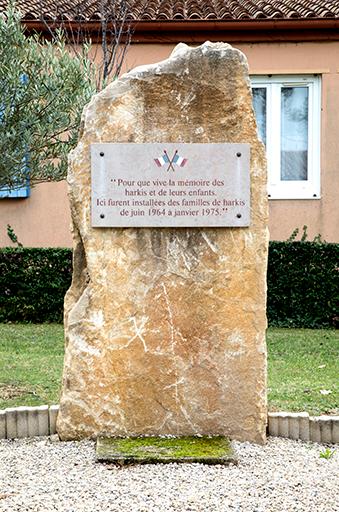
<point x="20" y="422"/>
<point x="300" y="425"/>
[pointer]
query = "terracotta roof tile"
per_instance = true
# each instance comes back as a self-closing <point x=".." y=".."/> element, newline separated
<point x="153" y="10"/>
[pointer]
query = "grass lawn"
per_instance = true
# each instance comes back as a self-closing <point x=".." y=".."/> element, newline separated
<point x="303" y="370"/>
<point x="303" y="367"/>
<point x="31" y="359"/>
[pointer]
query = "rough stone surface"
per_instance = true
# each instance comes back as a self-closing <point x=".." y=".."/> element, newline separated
<point x="165" y="328"/>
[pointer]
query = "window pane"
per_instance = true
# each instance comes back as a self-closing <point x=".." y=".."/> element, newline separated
<point x="294" y="133"/>
<point x="259" y="104"/>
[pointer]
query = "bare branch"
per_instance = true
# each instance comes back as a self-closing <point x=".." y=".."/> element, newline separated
<point x="115" y="32"/>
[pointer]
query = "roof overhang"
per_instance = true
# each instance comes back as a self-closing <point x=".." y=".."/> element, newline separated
<point x="196" y="31"/>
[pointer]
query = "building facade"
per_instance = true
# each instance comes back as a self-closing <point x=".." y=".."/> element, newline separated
<point x="294" y="70"/>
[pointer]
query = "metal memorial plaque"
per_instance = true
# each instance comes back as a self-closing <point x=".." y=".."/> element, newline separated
<point x="170" y="185"/>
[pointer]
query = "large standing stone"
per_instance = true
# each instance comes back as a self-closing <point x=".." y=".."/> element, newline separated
<point x="165" y="328"/>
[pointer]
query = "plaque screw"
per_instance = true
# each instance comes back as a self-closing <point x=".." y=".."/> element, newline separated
<point x="238" y="155"/>
<point x="102" y="216"/>
<point x="314" y="195"/>
<point x="239" y="215"/>
<point x="102" y="153"/>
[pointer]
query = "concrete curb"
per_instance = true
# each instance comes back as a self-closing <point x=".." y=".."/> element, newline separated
<point x="299" y="425"/>
<point x="20" y="422"/>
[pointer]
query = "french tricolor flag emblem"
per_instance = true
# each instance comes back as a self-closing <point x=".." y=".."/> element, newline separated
<point x="162" y="160"/>
<point x="175" y="160"/>
<point x="179" y="160"/>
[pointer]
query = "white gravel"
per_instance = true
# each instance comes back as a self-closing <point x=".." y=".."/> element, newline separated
<point x="284" y="476"/>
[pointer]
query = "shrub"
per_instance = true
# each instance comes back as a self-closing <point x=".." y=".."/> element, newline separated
<point x="33" y="283"/>
<point x="303" y="284"/>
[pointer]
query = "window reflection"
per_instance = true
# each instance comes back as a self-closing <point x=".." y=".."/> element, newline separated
<point x="294" y="133"/>
<point x="259" y="104"/>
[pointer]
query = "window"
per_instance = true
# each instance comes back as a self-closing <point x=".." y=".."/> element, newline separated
<point x="22" y="191"/>
<point x="287" y="110"/>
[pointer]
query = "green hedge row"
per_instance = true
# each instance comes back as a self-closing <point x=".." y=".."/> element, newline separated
<point x="303" y="284"/>
<point x="33" y="283"/>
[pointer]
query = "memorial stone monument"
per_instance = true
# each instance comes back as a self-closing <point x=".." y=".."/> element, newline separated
<point x="165" y="318"/>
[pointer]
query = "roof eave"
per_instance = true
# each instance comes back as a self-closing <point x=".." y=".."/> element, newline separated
<point x="295" y="29"/>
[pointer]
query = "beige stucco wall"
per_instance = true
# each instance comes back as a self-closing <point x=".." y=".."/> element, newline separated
<point x="43" y="220"/>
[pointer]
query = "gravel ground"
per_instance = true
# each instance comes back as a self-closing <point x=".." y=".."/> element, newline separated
<point x="43" y="476"/>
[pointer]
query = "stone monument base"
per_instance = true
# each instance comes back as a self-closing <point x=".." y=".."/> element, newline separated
<point x="155" y="450"/>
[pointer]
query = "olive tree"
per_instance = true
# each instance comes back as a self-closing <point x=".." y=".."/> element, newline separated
<point x="43" y="90"/>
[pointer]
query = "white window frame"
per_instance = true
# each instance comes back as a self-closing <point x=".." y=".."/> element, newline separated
<point x="298" y="189"/>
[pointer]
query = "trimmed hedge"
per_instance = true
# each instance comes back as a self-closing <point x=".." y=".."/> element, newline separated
<point x="303" y="284"/>
<point x="33" y="283"/>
